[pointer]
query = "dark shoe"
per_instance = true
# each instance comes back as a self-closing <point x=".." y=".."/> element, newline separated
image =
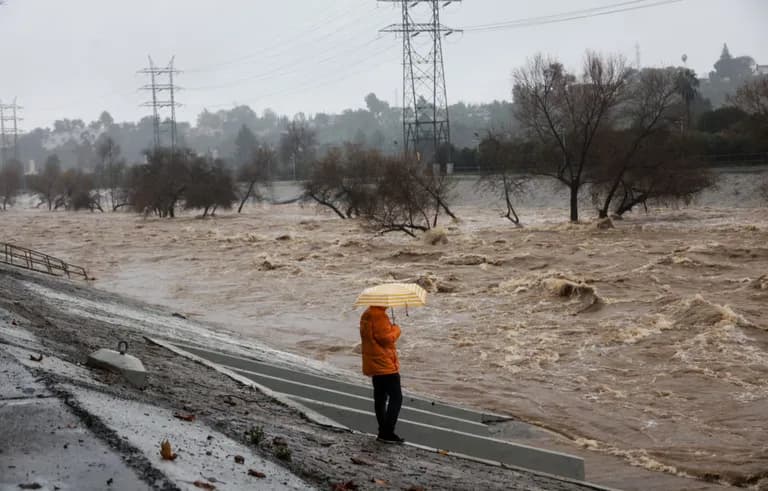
<point x="390" y="439"/>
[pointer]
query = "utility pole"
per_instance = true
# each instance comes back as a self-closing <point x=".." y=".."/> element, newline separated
<point x="9" y="131"/>
<point x="426" y="124"/>
<point x="158" y="104"/>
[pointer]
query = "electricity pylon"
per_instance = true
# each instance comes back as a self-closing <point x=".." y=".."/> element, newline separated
<point x="9" y="131"/>
<point x="158" y="105"/>
<point x="426" y="123"/>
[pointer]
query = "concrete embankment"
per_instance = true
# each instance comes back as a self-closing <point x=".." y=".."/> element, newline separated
<point x="274" y="438"/>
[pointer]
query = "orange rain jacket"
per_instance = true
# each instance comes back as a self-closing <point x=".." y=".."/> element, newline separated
<point x="378" y="336"/>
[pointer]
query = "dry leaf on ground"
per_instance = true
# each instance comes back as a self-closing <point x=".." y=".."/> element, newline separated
<point x="185" y="417"/>
<point x="239" y="459"/>
<point x="256" y="473"/>
<point x="204" y="485"/>
<point x="166" y="452"/>
<point x="360" y="461"/>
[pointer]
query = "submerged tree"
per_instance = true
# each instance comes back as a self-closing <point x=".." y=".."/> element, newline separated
<point x="210" y="186"/>
<point x="503" y="163"/>
<point x="388" y="193"/>
<point x="158" y="186"/>
<point x="10" y="182"/>
<point x="78" y="192"/>
<point x="256" y="173"/>
<point x="651" y="102"/>
<point x="565" y="112"/>
<point x="661" y="173"/>
<point x="110" y="172"/>
<point x="297" y="149"/>
<point x="48" y="183"/>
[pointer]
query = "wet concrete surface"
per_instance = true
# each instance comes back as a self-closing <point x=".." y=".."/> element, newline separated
<point x="42" y="442"/>
<point x="422" y="421"/>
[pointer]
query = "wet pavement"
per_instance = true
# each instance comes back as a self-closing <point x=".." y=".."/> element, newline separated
<point x="42" y="442"/>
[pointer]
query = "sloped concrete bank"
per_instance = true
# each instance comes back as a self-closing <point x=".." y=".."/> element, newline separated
<point x="293" y="450"/>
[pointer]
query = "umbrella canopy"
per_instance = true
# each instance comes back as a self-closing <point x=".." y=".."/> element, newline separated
<point x="393" y="295"/>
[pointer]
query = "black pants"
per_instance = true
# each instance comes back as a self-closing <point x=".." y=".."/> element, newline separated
<point x="387" y="387"/>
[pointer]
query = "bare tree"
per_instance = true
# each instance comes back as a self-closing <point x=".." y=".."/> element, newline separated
<point x="75" y="190"/>
<point x="10" y="182"/>
<point x="662" y="173"/>
<point x="439" y="187"/>
<point x="297" y="148"/>
<point x="402" y="204"/>
<point x="752" y="98"/>
<point x="344" y="180"/>
<point x="565" y="113"/>
<point x="256" y="172"/>
<point x="110" y="172"/>
<point x="325" y="185"/>
<point x="651" y="103"/>
<point x="48" y="183"/>
<point x="389" y="194"/>
<point x="502" y="160"/>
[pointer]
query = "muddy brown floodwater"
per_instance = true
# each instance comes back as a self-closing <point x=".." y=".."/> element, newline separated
<point x="647" y="341"/>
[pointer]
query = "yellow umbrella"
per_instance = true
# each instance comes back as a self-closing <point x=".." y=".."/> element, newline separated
<point x="393" y="295"/>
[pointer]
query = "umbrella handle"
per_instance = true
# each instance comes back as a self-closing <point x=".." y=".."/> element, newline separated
<point x="406" y="310"/>
<point x="392" y="310"/>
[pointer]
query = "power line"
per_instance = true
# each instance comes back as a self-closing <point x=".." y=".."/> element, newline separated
<point x="615" y="8"/>
<point x="561" y="14"/>
<point x="295" y="63"/>
<point x="314" y="84"/>
<point x="278" y="46"/>
<point x="295" y="66"/>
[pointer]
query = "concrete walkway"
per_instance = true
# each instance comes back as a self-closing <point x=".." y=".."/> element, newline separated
<point x="73" y="434"/>
<point x="42" y="443"/>
<point x="422" y="421"/>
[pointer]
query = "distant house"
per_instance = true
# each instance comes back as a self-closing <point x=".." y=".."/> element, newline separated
<point x="761" y="69"/>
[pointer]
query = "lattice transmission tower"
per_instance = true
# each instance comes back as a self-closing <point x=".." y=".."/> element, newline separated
<point x="426" y="124"/>
<point x="9" y="131"/>
<point x="161" y="82"/>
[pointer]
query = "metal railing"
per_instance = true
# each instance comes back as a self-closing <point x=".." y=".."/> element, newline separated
<point x="37" y="261"/>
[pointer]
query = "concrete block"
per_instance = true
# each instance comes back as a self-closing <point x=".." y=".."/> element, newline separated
<point x="120" y="362"/>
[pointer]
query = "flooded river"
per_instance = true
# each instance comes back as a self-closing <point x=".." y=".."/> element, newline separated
<point x="647" y="341"/>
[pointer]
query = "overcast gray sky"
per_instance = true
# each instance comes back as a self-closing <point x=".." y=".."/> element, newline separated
<point x="75" y="58"/>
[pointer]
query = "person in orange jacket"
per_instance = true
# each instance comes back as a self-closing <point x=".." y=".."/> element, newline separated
<point x="378" y="336"/>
